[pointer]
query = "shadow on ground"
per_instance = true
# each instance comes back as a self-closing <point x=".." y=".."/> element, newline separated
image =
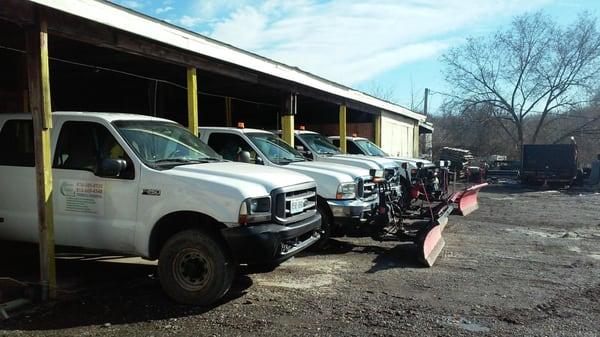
<point x="402" y="255"/>
<point x="99" y="291"/>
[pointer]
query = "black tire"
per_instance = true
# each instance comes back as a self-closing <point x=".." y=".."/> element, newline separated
<point x="194" y="268"/>
<point x="326" y="230"/>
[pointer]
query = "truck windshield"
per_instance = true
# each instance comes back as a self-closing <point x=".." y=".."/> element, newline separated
<point x="274" y="148"/>
<point x="319" y="144"/>
<point x="164" y="144"/>
<point x="370" y="148"/>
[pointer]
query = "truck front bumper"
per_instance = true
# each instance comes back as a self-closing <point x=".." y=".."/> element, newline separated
<point x="352" y="212"/>
<point x="271" y="243"/>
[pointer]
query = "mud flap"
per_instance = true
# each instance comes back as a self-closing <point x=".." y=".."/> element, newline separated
<point x="466" y="200"/>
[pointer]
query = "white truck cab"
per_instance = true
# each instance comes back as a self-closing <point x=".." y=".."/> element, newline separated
<point x="347" y="195"/>
<point x="415" y="168"/>
<point x="363" y="146"/>
<point x="145" y="186"/>
<point x="319" y="148"/>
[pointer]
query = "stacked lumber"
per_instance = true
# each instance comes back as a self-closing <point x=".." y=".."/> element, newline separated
<point x="459" y="159"/>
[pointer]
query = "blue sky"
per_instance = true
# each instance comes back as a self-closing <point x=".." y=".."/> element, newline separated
<point x="390" y="46"/>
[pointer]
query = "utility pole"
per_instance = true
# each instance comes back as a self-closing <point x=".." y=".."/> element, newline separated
<point x="425" y="101"/>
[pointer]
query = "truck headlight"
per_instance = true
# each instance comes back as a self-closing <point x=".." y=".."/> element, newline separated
<point x="346" y="191"/>
<point x="255" y="210"/>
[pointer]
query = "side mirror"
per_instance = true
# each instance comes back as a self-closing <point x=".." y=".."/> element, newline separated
<point x="419" y="164"/>
<point x="111" y="167"/>
<point x="243" y="157"/>
<point x="259" y="160"/>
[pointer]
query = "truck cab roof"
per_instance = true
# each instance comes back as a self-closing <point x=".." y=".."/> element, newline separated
<point x="85" y="115"/>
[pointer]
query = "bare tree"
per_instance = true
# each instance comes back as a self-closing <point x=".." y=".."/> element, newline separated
<point x="533" y="68"/>
<point x="381" y="91"/>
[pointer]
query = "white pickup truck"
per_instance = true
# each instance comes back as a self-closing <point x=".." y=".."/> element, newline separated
<point x="347" y="196"/>
<point x="317" y="147"/>
<point x="145" y="186"/>
<point x="415" y="167"/>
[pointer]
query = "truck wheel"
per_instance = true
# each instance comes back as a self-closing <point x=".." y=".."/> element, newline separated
<point x="194" y="268"/>
<point x="326" y="228"/>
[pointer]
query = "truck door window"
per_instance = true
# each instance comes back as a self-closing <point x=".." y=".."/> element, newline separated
<point x="83" y="146"/>
<point x="352" y="148"/>
<point x="16" y="142"/>
<point x="229" y="146"/>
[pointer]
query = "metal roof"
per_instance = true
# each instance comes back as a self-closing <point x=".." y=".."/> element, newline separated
<point x="118" y="17"/>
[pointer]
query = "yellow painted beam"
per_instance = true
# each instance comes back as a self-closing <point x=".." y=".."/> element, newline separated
<point x="343" y="128"/>
<point x="228" y="116"/>
<point x="41" y="110"/>
<point x="377" y="130"/>
<point x="192" y="98"/>
<point x="287" y="129"/>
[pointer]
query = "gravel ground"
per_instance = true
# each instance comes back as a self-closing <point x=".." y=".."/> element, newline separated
<point x="525" y="264"/>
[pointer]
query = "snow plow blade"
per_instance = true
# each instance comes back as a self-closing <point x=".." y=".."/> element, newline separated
<point x="466" y="200"/>
<point x="432" y="246"/>
<point x="430" y="240"/>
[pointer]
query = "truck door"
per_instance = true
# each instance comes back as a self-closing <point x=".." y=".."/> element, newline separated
<point x="18" y="206"/>
<point x="230" y="145"/>
<point x="90" y="210"/>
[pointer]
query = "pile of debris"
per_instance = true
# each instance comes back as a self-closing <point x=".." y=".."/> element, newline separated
<point x="459" y="159"/>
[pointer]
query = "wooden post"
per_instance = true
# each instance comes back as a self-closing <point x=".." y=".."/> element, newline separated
<point x="377" y="129"/>
<point x="192" y="97"/>
<point x="416" y="139"/>
<point x="343" y="128"/>
<point x="228" y="115"/>
<point x="287" y="119"/>
<point x="41" y="110"/>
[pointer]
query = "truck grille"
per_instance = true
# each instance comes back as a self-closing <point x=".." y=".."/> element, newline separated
<point x="307" y="198"/>
<point x="367" y="189"/>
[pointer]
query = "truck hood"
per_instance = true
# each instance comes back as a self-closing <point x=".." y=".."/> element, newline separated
<point x="343" y="173"/>
<point x="328" y="175"/>
<point x="412" y="162"/>
<point x="241" y="174"/>
<point x="363" y="161"/>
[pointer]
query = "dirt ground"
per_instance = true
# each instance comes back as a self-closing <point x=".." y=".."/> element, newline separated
<point x="527" y="263"/>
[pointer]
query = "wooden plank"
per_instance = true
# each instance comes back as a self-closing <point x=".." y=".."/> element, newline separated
<point x="287" y="119"/>
<point x="287" y="129"/>
<point x="342" y="122"/>
<point x="39" y="103"/>
<point x="192" y="98"/>
<point x="377" y="129"/>
<point x="416" y="139"/>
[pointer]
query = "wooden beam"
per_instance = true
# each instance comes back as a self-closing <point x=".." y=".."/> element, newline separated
<point x="40" y="106"/>
<point x="287" y="119"/>
<point x="192" y="98"/>
<point x="377" y="130"/>
<point x="416" y="138"/>
<point x="343" y="128"/>
<point x="287" y="129"/>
